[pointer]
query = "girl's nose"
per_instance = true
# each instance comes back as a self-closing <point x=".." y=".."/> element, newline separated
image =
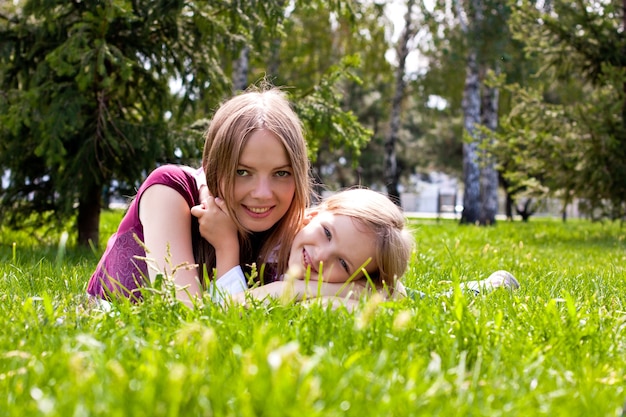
<point x="323" y="253"/>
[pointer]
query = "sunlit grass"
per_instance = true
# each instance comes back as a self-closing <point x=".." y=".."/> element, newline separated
<point x="555" y="347"/>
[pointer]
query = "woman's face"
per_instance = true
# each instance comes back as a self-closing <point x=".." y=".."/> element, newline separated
<point x="264" y="183"/>
<point x="338" y="242"/>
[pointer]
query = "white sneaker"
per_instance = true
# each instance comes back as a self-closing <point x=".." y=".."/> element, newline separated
<point x="499" y="279"/>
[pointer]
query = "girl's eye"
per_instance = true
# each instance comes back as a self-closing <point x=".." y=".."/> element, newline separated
<point x="344" y="265"/>
<point x="327" y="233"/>
<point x="242" y="172"/>
<point x="283" y="174"/>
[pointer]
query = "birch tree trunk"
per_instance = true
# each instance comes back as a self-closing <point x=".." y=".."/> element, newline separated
<point x="471" y="118"/>
<point x="241" y="68"/>
<point x="488" y="173"/>
<point x="471" y="112"/>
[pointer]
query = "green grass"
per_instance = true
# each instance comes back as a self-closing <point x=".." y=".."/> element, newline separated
<point x="556" y="347"/>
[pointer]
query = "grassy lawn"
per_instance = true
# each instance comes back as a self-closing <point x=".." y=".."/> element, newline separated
<point x="555" y="347"/>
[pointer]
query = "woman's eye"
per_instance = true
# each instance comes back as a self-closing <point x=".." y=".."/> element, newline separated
<point x="283" y="174"/>
<point x="242" y="172"/>
<point x="327" y="233"/>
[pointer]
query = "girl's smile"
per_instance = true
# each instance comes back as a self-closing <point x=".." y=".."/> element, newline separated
<point x="337" y="245"/>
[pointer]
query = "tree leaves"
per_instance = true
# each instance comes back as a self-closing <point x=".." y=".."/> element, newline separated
<point x="566" y="137"/>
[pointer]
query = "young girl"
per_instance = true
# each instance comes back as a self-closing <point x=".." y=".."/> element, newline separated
<point x="255" y="159"/>
<point x="356" y="235"/>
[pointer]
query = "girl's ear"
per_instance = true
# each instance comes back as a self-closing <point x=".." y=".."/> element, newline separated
<point x="308" y="216"/>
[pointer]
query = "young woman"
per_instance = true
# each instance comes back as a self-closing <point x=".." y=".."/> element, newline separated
<point x="255" y="159"/>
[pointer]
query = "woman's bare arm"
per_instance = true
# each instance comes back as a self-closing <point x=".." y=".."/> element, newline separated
<point x="164" y="214"/>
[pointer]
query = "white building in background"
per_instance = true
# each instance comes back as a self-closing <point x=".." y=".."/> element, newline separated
<point x="5" y="179"/>
<point x="427" y="196"/>
<point x="442" y="194"/>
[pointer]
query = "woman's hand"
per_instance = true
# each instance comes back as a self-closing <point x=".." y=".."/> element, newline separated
<point x="220" y="231"/>
<point x="216" y="226"/>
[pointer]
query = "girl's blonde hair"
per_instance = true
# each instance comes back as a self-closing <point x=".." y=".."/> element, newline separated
<point x="379" y="215"/>
<point x="230" y="128"/>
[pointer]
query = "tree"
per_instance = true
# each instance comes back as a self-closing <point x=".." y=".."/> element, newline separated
<point x="487" y="23"/>
<point x="367" y="95"/>
<point x="570" y="132"/>
<point x="471" y="118"/>
<point x="472" y="35"/>
<point x="391" y="163"/>
<point x="77" y="92"/>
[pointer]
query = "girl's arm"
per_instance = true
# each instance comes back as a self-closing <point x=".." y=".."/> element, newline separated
<point x="164" y="214"/>
<point x="298" y="290"/>
<point x="336" y="294"/>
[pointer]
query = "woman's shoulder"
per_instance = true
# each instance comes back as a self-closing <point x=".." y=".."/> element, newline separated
<point x="179" y="177"/>
<point x="172" y="170"/>
<point x="168" y="173"/>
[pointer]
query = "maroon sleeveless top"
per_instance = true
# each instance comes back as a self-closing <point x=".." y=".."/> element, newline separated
<point x="119" y="271"/>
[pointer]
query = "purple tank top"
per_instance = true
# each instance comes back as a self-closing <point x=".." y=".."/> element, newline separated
<point x="119" y="271"/>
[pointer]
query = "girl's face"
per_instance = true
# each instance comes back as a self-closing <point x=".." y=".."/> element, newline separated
<point x="264" y="183"/>
<point x="337" y="241"/>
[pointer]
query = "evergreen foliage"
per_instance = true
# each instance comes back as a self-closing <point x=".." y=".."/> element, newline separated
<point x="86" y="94"/>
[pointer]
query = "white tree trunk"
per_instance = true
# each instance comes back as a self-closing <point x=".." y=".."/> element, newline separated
<point x="488" y="173"/>
<point x="241" y="68"/>
<point x="471" y="119"/>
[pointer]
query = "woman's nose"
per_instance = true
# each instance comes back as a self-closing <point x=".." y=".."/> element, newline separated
<point x="262" y="188"/>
